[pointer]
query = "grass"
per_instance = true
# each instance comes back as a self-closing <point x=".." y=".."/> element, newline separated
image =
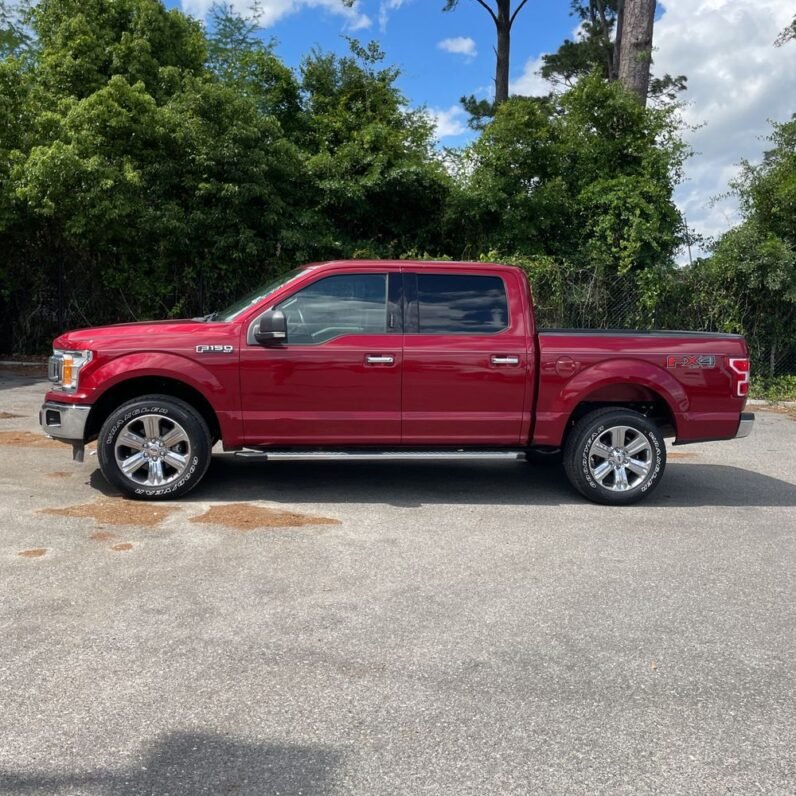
<point x="774" y="388"/>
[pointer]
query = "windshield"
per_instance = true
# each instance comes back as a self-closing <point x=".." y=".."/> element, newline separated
<point x="233" y="310"/>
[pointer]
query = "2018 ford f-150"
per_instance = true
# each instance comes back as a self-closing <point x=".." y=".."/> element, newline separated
<point x="357" y="359"/>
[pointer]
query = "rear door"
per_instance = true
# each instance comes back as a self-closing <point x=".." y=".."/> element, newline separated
<point x="466" y="358"/>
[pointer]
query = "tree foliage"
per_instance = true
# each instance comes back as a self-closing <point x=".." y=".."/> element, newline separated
<point x="150" y="167"/>
<point x="751" y="276"/>
<point x="587" y="176"/>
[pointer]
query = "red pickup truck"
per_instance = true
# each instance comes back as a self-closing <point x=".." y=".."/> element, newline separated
<point x="378" y="359"/>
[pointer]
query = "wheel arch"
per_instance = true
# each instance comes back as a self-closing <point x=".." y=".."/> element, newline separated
<point x="629" y="395"/>
<point x="624" y="383"/>
<point x="136" y="386"/>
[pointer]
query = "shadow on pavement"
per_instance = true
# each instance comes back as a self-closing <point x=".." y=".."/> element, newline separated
<point x="12" y="376"/>
<point x="410" y="485"/>
<point x="185" y="764"/>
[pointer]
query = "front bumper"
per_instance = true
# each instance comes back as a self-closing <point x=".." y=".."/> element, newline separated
<point x="66" y="422"/>
<point x="746" y="425"/>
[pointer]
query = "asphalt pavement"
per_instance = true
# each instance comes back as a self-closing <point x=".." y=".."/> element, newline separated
<point x="417" y="628"/>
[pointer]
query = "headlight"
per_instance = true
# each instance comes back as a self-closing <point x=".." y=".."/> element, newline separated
<point x="64" y="368"/>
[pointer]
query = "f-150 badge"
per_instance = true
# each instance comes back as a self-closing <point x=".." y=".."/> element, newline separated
<point x="214" y="349"/>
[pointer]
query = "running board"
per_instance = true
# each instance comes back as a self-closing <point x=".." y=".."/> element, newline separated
<point x="363" y="456"/>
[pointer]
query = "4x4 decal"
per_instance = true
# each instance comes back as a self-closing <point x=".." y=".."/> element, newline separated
<point x="691" y="361"/>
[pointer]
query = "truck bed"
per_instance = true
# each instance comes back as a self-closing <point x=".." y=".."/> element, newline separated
<point x="684" y="374"/>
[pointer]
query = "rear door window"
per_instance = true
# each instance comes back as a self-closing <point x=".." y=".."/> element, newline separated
<point x="461" y="304"/>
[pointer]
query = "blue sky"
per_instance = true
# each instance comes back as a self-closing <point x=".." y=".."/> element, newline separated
<point x="737" y="80"/>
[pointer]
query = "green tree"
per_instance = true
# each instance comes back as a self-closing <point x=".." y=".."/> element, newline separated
<point x="754" y="265"/>
<point x="375" y="177"/>
<point x="86" y="42"/>
<point x="587" y="176"/>
<point x="239" y="58"/>
<point x="137" y="170"/>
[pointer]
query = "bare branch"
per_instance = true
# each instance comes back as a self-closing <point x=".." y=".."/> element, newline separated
<point x="516" y="11"/>
<point x="491" y="12"/>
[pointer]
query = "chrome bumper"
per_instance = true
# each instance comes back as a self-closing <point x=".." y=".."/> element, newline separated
<point x="66" y="422"/>
<point x="746" y="424"/>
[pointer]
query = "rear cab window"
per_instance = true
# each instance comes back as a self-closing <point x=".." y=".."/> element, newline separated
<point x="441" y="303"/>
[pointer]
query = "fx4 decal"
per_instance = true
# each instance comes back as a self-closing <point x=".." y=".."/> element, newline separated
<point x="691" y="361"/>
<point x="214" y="349"/>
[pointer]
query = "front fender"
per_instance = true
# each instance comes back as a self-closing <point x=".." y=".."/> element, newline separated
<point x="219" y="387"/>
<point x="559" y="397"/>
<point x="156" y="363"/>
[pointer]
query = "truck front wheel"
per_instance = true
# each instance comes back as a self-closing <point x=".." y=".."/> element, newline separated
<point x="615" y="456"/>
<point x="154" y="448"/>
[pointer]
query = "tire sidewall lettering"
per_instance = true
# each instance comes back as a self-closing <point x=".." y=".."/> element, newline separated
<point x="195" y="470"/>
<point x="124" y="419"/>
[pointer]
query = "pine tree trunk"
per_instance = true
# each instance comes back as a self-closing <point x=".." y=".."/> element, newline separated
<point x="635" y="54"/>
<point x="503" y="51"/>
<point x="620" y="18"/>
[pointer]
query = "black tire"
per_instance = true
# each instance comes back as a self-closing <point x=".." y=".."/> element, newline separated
<point x="170" y="416"/>
<point x="593" y="431"/>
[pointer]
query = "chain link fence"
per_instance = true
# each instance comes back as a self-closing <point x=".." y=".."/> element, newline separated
<point x="620" y="302"/>
<point x="563" y="299"/>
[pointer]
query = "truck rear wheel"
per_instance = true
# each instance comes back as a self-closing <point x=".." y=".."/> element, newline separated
<point x="154" y="448"/>
<point x="615" y="456"/>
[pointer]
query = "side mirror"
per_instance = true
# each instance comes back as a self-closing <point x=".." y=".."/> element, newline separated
<point x="272" y="328"/>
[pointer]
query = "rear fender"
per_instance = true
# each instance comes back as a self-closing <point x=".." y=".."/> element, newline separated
<point x="557" y="402"/>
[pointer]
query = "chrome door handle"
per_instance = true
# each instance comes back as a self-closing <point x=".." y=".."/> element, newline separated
<point x="380" y="359"/>
<point x="497" y="360"/>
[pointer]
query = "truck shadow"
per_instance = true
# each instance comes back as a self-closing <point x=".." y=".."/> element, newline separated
<point x="414" y="484"/>
<point x="185" y="764"/>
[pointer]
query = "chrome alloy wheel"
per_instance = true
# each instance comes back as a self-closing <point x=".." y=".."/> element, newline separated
<point x="152" y="450"/>
<point x="620" y="458"/>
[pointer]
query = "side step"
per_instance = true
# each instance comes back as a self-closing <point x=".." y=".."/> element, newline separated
<point x="385" y="455"/>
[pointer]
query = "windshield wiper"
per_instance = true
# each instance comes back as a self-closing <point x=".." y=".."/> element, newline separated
<point x="211" y="316"/>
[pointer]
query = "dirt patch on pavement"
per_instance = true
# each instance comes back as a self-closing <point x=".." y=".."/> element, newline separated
<point x="245" y="517"/>
<point x="677" y="455"/>
<point x="27" y="439"/>
<point x="36" y="552"/>
<point x="116" y="512"/>
<point x="122" y="547"/>
<point x="58" y="474"/>
<point x="102" y="536"/>
<point x="8" y="415"/>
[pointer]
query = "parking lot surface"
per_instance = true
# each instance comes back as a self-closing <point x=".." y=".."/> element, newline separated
<point x="324" y="628"/>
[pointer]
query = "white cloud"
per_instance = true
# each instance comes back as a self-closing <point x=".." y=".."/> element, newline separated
<point x="459" y="45"/>
<point x="272" y="11"/>
<point x="530" y="83"/>
<point x="386" y="7"/>
<point x="449" y="122"/>
<point x="737" y="82"/>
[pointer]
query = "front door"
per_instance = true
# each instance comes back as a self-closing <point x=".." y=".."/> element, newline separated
<point x="337" y="378"/>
